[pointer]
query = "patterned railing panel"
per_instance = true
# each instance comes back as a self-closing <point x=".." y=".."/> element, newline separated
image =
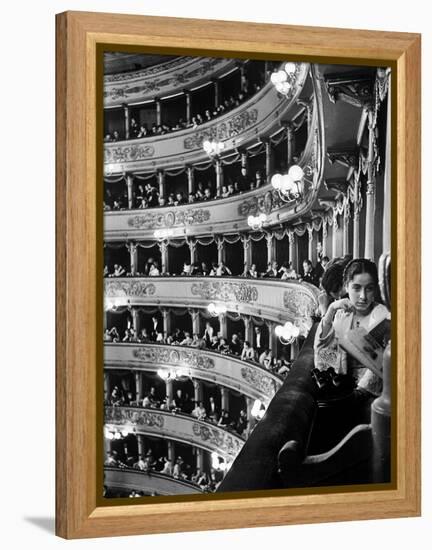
<point x="129" y="479"/>
<point x="247" y="378"/>
<point x="182" y="428"/>
<point x="270" y="299"/>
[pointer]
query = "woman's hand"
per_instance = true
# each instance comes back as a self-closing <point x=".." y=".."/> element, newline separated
<point x="344" y="306"/>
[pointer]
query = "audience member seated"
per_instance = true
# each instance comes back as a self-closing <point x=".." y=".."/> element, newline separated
<point x="248" y="353"/>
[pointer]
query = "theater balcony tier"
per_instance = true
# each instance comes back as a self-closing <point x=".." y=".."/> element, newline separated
<point x="258" y="117"/>
<point x="177" y="427"/>
<point x="270" y="299"/>
<point x="163" y="80"/>
<point x="129" y="479"/>
<point x="248" y="378"/>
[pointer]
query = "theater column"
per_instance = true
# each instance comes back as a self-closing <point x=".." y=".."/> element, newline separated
<point x="163" y="247"/>
<point x="200" y="459"/>
<point x="141" y="445"/>
<point x="293" y="250"/>
<point x="190" y="177"/>
<point x="106" y="386"/>
<point x="158" y="111"/>
<point x="324" y="237"/>
<point x="129" y="183"/>
<point x="139" y="387"/>
<point x="195" y="315"/>
<point x="223" y="326"/>
<point x="271" y="248"/>
<point x="135" y="320"/>
<point x="219" y="177"/>
<point x="216" y="87"/>
<point x="171" y="452"/>
<point x="290" y="142"/>
<point x="166" y="318"/>
<point x="247" y="252"/>
<point x="336" y="236"/>
<point x="192" y="250"/>
<point x="251" y="420"/>
<point x="249" y="329"/>
<point x="356" y="215"/>
<point x="294" y="349"/>
<point x="126" y="120"/>
<point x="224" y="399"/>
<point x="272" y="337"/>
<point x="346" y="219"/>
<point x="370" y="192"/>
<point x="169" y="390"/>
<point x="133" y="252"/>
<point x="310" y="244"/>
<point x="269" y="157"/>
<point x="188" y="97"/>
<point x="221" y="249"/>
<point x="161" y="183"/>
<point x="198" y="390"/>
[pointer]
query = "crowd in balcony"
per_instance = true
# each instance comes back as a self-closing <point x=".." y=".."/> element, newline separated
<point x="310" y="273"/>
<point x="147" y="196"/>
<point x="244" y="89"/>
<point x="207" y="481"/>
<point x="236" y="346"/>
<point x="182" y="403"/>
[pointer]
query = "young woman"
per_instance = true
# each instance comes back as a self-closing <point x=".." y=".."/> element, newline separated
<point x="359" y="309"/>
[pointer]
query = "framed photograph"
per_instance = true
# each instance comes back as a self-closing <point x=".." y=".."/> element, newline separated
<point x="235" y="347"/>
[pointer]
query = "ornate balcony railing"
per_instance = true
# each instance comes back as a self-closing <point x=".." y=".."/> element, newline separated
<point x="178" y="427"/>
<point x="257" y="117"/>
<point x="248" y="378"/>
<point x="163" y="80"/>
<point x="270" y="299"/>
<point x="151" y="483"/>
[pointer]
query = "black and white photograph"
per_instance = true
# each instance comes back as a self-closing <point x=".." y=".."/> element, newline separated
<point x="246" y="275"/>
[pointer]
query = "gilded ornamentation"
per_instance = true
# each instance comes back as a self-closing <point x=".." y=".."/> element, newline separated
<point x="169" y="219"/>
<point x="259" y="380"/>
<point x="223" y="441"/>
<point x="116" y="289"/>
<point x="127" y="153"/>
<point x="225" y="130"/>
<point x="161" y="355"/>
<point x="299" y="303"/>
<point x="147" y="80"/>
<point x="225" y="291"/>
<point x="139" y="417"/>
<point x="267" y="202"/>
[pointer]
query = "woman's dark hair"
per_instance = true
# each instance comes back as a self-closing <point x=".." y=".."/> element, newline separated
<point x="358" y="266"/>
<point x="333" y="278"/>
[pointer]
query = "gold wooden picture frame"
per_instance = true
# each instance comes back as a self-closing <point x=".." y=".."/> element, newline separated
<point x="79" y="265"/>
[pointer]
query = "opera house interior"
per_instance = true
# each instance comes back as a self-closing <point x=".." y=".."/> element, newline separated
<point x="247" y="209"/>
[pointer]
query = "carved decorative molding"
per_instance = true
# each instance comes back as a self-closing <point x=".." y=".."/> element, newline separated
<point x="355" y="90"/>
<point x="225" y="130"/>
<point x="115" y="289"/>
<point x="223" y="441"/>
<point x="225" y="292"/>
<point x="159" y="355"/>
<point x="139" y="417"/>
<point x="170" y="218"/>
<point x="151" y="83"/>
<point x="341" y="185"/>
<point x="267" y="202"/>
<point x="299" y="303"/>
<point x="346" y="156"/>
<point x="128" y="153"/>
<point x="259" y="380"/>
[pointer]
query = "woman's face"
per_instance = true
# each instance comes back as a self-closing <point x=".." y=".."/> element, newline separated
<point x="361" y="292"/>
